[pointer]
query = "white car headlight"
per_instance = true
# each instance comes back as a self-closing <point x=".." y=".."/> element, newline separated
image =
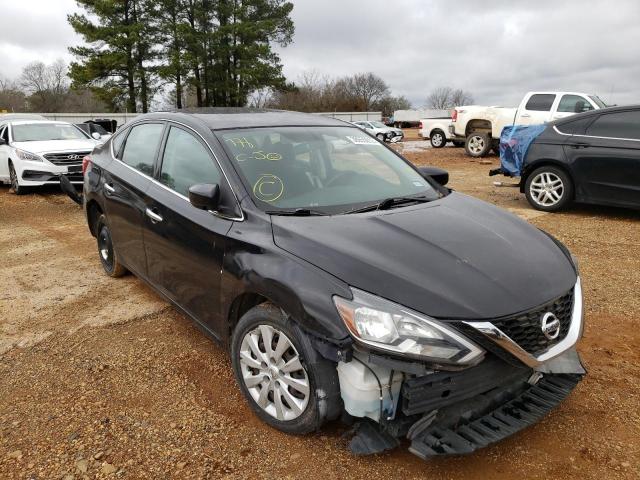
<point x="24" y="155"/>
<point x="384" y="325"/>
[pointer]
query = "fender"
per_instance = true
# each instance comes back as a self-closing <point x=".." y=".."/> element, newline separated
<point x="302" y="290"/>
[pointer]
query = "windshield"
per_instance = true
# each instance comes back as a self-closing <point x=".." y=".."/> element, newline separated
<point x="331" y="169"/>
<point x="596" y="99"/>
<point x="378" y="124"/>
<point x="33" y="132"/>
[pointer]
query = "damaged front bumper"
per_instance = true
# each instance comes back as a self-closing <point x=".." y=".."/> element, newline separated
<point x="449" y="413"/>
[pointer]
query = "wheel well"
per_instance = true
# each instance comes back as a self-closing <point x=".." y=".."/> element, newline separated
<point x="93" y="213"/>
<point x="542" y="163"/>
<point x="481" y="126"/>
<point x="241" y="305"/>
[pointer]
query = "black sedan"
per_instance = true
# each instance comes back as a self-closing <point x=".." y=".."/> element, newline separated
<point x="592" y="157"/>
<point x="346" y="282"/>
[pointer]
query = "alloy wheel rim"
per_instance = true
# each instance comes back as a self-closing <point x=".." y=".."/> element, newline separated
<point x="476" y="144"/>
<point x="273" y="373"/>
<point x="546" y="189"/>
<point x="437" y="139"/>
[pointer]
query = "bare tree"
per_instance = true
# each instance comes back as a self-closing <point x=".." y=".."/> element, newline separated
<point x="366" y="87"/>
<point x="47" y="85"/>
<point x="12" y="99"/>
<point x="260" y="98"/>
<point x="443" y="98"/>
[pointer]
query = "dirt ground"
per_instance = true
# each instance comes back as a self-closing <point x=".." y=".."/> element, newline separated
<point x="99" y="378"/>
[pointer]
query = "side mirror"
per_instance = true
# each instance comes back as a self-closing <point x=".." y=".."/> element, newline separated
<point x="205" y="196"/>
<point x="96" y="136"/>
<point x="439" y="175"/>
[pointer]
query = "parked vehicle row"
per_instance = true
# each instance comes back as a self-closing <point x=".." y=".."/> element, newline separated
<point x="36" y="152"/>
<point x="480" y="127"/>
<point x="593" y="157"/>
<point x="323" y="259"/>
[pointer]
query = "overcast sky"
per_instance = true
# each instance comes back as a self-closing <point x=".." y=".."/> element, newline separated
<point x="495" y="49"/>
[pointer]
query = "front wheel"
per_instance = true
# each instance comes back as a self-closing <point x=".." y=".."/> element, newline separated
<point x="478" y="145"/>
<point x="380" y="137"/>
<point x="549" y="189"/>
<point x="438" y="139"/>
<point x="15" y="185"/>
<point x="280" y="374"/>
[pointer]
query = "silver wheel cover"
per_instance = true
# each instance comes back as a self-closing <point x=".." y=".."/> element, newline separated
<point x="476" y="144"/>
<point x="546" y="189"/>
<point x="273" y="374"/>
<point x="437" y="139"/>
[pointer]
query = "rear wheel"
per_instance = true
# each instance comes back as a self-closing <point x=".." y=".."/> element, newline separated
<point x="478" y="145"/>
<point x="279" y="373"/>
<point x="438" y="139"/>
<point x="380" y="137"/>
<point x="549" y="189"/>
<point x="15" y="185"/>
<point x="108" y="255"/>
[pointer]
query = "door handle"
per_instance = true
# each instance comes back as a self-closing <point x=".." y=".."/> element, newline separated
<point x="525" y="115"/>
<point x="579" y="145"/>
<point x="109" y="188"/>
<point x="155" y="218"/>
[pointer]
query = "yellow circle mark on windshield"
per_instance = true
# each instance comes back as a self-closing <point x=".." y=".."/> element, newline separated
<point x="268" y="188"/>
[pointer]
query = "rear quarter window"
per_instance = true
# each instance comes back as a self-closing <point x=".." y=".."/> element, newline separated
<point x="575" y="127"/>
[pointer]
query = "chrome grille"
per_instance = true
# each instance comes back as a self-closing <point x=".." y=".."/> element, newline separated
<point x="66" y="158"/>
<point x="525" y="328"/>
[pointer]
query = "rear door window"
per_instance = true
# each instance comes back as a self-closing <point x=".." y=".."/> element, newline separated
<point x="142" y="145"/>
<point x="540" y="102"/>
<point x="575" y="127"/>
<point x="617" y="125"/>
<point x="574" y="104"/>
<point x="186" y="162"/>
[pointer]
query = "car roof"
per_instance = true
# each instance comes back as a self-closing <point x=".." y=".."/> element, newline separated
<point x="31" y="122"/>
<point x="227" y="118"/>
<point x="591" y="113"/>
<point x="5" y="117"/>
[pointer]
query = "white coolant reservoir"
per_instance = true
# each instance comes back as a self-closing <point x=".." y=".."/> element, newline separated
<point x="360" y="390"/>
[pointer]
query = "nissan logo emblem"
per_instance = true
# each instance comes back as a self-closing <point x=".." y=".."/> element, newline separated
<point x="550" y="326"/>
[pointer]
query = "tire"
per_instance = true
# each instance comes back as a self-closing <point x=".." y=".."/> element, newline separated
<point x="15" y="186"/>
<point x="549" y="189"/>
<point x="438" y="139"/>
<point x="301" y="409"/>
<point x="381" y="137"/>
<point x="106" y="250"/>
<point x="477" y="145"/>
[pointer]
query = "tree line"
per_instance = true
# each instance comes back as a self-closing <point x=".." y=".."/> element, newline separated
<point x="45" y="89"/>
<point x="316" y="93"/>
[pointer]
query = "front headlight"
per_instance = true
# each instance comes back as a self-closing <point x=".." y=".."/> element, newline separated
<point x="385" y="325"/>
<point x="24" y="155"/>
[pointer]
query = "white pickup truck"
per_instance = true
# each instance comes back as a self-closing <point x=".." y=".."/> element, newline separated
<point x="480" y="127"/>
<point x="437" y="131"/>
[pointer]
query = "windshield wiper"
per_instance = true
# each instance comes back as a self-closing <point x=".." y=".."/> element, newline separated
<point x="298" y="212"/>
<point x="388" y="203"/>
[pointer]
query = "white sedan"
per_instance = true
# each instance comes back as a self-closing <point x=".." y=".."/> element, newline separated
<point x="37" y="152"/>
<point x="380" y="130"/>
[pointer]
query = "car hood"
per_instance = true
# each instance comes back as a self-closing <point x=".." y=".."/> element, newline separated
<point x="457" y="257"/>
<point x="49" y="146"/>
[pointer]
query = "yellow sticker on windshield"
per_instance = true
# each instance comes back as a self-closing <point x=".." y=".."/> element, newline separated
<point x="268" y="188"/>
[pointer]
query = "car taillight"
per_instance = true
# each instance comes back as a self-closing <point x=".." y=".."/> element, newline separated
<point x="86" y="162"/>
<point x="454" y="115"/>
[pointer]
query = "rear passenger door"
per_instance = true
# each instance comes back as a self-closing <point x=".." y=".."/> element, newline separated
<point x="125" y="185"/>
<point x="607" y="158"/>
<point x="185" y="245"/>
<point x="536" y="109"/>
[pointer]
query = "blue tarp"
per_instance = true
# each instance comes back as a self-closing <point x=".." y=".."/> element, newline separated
<point x="514" y="143"/>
